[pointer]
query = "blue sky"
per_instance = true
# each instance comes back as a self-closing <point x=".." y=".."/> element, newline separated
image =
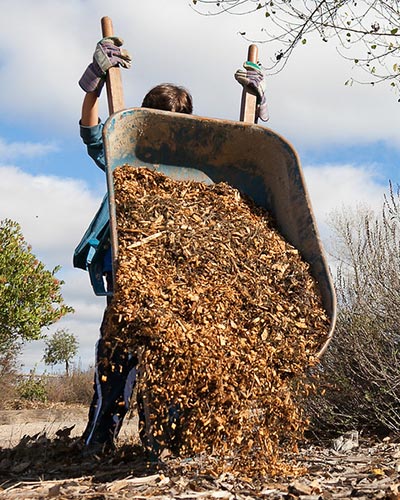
<point x="348" y="138"/>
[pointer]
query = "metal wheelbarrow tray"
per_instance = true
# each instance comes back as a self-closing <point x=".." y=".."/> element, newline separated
<point x="249" y="157"/>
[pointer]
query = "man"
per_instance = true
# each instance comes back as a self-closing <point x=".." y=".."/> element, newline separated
<point x="115" y="369"/>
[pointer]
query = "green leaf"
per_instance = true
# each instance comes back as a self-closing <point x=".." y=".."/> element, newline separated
<point x="394" y="31"/>
<point x="304" y="41"/>
<point x="30" y="295"/>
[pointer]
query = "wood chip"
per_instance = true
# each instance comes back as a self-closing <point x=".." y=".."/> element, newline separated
<point x="226" y="310"/>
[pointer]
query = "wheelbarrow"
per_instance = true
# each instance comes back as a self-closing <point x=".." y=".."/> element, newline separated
<point x="252" y="158"/>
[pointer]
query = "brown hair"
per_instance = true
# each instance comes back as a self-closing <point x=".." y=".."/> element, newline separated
<point x="169" y="97"/>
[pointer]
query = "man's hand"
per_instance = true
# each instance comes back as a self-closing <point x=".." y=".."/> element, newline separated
<point x="253" y="80"/>
<point x="106" y="55"/>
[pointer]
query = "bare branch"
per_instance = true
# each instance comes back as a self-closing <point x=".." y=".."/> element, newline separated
<point x="370" y="30"/>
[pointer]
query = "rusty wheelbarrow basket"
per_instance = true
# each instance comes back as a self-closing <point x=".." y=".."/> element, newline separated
<point x="252" y="158"/>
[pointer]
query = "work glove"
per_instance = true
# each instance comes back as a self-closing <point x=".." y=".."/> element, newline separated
<point x="253" y="80"/>
<point x="107" y="54"/>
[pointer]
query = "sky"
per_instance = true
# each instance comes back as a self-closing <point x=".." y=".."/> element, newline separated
<point x="347" y="137"/>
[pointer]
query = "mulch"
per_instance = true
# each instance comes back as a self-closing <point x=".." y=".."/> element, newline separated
<point x="40" y="468"/>
<point x="225" y="312"/>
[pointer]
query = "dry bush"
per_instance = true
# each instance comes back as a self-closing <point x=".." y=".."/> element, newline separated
<point x="8" y="380"/>
<point x="77" y="388"/>
<point x="360" y="372"/>
<point x="19" y="391"/>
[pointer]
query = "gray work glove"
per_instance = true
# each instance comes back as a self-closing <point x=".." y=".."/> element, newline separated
<point x="107" y="54"/>
<point x="252" y="78"/>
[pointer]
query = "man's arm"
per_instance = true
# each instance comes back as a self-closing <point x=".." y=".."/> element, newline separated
<point x="108" y="53"/>
<point x="90" y="110"/>
<point x="91" y="128"/>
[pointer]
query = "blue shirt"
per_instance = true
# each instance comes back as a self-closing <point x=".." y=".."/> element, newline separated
<point x="93" y="138"/>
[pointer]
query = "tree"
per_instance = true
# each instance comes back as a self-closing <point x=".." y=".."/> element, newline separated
<point x="361" y="369"/>
<point x="30" y="295"/>
<point x="61" y="347"/>
<point x="367" y="32"/>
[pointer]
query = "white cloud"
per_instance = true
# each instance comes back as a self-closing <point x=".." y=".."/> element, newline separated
<point x="311" y="105"/>
<point x="53" y="211"/>
<point x="50" y="47"/>
<point x="13" y="150"/>
<point x="333" y="187"/>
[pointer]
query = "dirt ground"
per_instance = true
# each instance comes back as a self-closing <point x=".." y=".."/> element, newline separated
<point x="40" y="458"/>
<point x="14" y="424"/>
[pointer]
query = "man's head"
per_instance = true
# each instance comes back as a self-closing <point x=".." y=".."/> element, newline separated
<point x="169" y="97"/>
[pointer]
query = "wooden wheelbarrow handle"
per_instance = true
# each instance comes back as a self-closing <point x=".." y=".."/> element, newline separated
<point x="115" y="94"/>
<point x="248" y="108"/>
<point x="115" y="103"/>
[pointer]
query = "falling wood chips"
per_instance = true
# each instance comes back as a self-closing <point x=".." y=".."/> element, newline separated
<point x="227" y="312"/>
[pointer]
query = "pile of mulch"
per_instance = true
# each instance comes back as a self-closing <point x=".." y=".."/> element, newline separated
<point x="225" y="312"/>
<point x="39" y="468"/>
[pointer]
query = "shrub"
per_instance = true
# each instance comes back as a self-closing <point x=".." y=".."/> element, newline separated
<point x="77" y="388"/>
<point x="360" y="372"/>
<point x="33" y="388"/>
